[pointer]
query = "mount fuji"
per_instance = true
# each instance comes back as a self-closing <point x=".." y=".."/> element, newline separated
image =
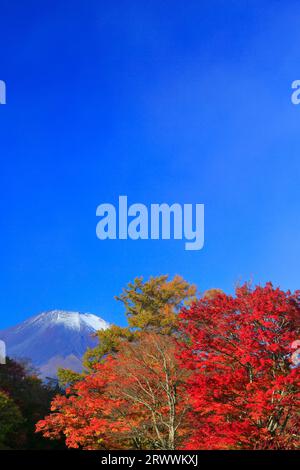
<point x="53" y="339"/>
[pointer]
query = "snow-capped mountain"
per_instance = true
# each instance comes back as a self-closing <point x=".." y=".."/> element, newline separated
<point x="53" y="339"/>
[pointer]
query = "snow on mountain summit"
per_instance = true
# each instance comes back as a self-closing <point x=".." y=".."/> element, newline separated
<point x="69" y="319"/>
<point x="52" y="339"/>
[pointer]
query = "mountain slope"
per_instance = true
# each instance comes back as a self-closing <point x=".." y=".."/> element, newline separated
<point x="53" y="339"/>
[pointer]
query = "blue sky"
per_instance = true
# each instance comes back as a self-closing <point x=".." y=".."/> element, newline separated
<point x="163" y="101"/>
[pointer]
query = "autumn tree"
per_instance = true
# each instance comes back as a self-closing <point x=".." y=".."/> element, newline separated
<point x="150" y="306"/>
<point x="154" y="305"/>
<point x="84" y="415"/>
<point x="152" y="383"/>
<point x="244" y="389"/>
<point x="134" y="399"/>
<point x="118" y="407"/>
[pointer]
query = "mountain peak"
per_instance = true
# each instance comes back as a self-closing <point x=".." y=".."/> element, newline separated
<point x="68" y="319"/>
<point x="53" y="338"/>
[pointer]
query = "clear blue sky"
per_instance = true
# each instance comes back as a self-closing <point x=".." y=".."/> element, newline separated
<point x="164" y="101"/>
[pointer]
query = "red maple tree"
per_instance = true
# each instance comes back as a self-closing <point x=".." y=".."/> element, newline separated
<point x="84" y="416"/>
<point x="133" y="399"/>
<point x="244" y="388"/>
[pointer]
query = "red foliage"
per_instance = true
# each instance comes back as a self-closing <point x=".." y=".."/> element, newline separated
<point x="84" y="415"/>
<point x="244" y="389"/>
<point x="134" y="399"/>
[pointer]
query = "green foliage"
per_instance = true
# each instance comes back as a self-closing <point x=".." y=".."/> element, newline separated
<point x="10" y="419"/>
<point x="67" y="377"/>
<point x="150" y="306"/>
<point x="109" y="342"/>
<point x="153" y="305"/>
<point x="32" y="398"/>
